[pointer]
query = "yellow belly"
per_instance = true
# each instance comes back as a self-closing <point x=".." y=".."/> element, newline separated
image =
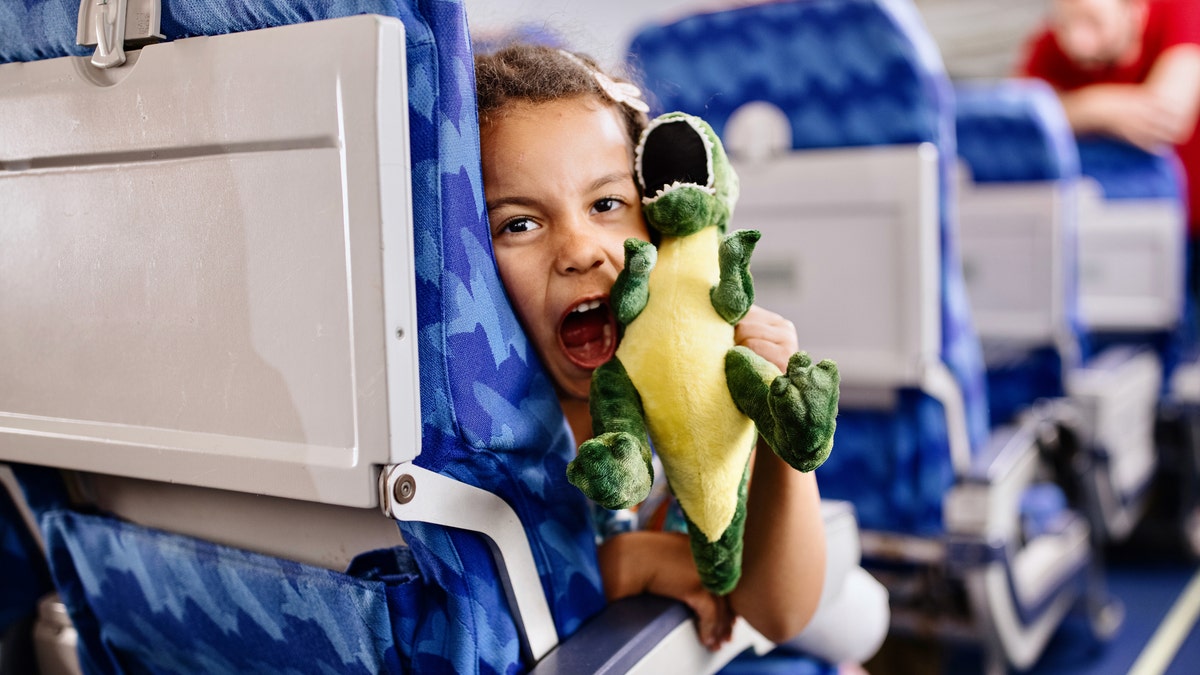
<point x="674" y="353"/>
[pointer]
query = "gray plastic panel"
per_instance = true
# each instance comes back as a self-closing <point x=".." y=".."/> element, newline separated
<point x="206" y="262"/>
<point x="850" y="255"/>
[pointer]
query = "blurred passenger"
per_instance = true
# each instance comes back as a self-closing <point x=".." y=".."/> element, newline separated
<point x="557" y="138"/>
<point x="1129" y="69"/>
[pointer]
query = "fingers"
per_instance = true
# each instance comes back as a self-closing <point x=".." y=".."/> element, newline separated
<point x="767" y="334"/>
<point x="714" y="618"/>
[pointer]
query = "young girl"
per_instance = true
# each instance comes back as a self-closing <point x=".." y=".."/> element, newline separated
<point x="557" y="138"/>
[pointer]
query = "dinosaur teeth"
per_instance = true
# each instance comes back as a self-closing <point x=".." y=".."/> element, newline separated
<point x="666" y="189"/>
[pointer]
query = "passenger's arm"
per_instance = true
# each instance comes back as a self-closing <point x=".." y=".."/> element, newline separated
<point x="783" y="566"/>
<point x="1161" y="111"/>
<point x="661" y="563"/>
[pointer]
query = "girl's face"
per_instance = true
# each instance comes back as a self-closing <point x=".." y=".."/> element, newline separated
<point x="561" y="200"/>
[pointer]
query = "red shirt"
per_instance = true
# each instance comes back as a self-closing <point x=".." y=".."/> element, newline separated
<point x="1169" y="23"/>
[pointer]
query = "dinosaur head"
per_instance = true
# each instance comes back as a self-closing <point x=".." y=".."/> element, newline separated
<point x="687" y="181"/>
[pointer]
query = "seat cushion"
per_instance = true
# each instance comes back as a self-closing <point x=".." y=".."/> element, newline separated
<point x="1017" y="378"/>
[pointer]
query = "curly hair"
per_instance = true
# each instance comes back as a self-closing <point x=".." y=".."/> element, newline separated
<point x="532" y="73"/>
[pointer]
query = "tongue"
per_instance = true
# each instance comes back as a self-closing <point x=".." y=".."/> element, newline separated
<point x="582" y="335"/>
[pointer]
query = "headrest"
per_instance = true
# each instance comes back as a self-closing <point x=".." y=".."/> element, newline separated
<point x="1125" y="171"/>
<point x="845" y="72"/>
<point x="42" y="29"/>
<point x="1014" y="130"/>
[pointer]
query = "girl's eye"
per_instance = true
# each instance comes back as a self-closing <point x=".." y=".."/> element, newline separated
<point x="519" y="225"/>
<point x="606" y="204"/>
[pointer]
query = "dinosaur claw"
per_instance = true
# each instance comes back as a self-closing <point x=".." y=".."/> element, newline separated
<point x="612" y="470"/>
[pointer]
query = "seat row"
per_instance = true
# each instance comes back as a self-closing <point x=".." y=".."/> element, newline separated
<point x="1005" y="302"/>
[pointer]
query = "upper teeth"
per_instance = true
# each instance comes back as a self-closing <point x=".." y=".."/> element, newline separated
<point x="587" y="306"/>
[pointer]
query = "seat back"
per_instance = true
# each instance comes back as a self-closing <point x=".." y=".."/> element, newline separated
<point x="857" y="73"/>
<point x="1019" y="213"/>
<point x="1132" y="237"/>
<point x="282" y="291"/>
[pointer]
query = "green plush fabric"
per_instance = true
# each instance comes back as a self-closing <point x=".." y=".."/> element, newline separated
<point x="734" y="294"/>
<point x="720" y="563"/>
<point x="614" y="468"/>
<point x="630" y="291"/>
<point x="795" y="412"/>
<point x="690" y="185"/>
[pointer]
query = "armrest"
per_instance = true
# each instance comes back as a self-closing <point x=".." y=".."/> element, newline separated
<point x="644" y="634"/>
<point x="617" y="638"/>
<point x="984" y="500"/>
<point x="652" y="634"/>
<point x="852" y="598"/>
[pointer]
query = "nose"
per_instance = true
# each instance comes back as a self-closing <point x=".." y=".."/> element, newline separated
<point x="579" y="249"/>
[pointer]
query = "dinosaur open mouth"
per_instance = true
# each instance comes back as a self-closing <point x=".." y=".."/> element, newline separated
<point x="588" y="334"/>
<point x="674" y="153"/>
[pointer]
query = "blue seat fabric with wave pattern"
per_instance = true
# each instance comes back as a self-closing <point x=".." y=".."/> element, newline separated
<point x="845" y="73"/>
<point x="489" y="415"/>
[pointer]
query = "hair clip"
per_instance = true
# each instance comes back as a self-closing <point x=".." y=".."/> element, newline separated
<point x="620" y="92"/>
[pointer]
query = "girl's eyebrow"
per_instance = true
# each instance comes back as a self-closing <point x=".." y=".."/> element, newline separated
<point x="494" y="204"/>
<point x="615" y="177"/>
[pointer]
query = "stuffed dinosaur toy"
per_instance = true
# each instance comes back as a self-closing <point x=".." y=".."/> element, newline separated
<point x="677" y="376"/>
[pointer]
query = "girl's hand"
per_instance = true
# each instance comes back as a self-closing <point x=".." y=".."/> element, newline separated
<point x="661" y="563"/>
<point x="767" y="334"/>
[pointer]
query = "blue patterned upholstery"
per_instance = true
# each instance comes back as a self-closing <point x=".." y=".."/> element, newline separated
<point x="1014" y="131"/>
<point x="25" y="576"/>
<point x="489" y="415"/>
<point x="846" y="73"/>
<point x="1127" y="172"/>
<point x="527" y="33"/>
<point x="1023" y="377"/>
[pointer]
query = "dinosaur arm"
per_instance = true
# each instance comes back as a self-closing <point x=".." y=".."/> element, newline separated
<point x="631" y="291"/>
<point x="734" y="293"/>
<point x="614" y="468"/>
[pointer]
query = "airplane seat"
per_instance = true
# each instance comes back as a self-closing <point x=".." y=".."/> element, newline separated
<point x="861" y="253"/>
<point x="1133" y="298"/>
<point x="225" y="318"/>
<point x="834" y="109"/>
<point x="1020" y="220"/>
<point x="1017" y="215"/>
<point x="1132" y="250"/>
<point x="485" y="42"/>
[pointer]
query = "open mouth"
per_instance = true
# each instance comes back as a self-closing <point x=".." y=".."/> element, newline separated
<point x="588" y="334"/>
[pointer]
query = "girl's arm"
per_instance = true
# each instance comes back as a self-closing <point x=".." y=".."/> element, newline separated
<point x="783" y="566"/>
<point x="661" y="563"/>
